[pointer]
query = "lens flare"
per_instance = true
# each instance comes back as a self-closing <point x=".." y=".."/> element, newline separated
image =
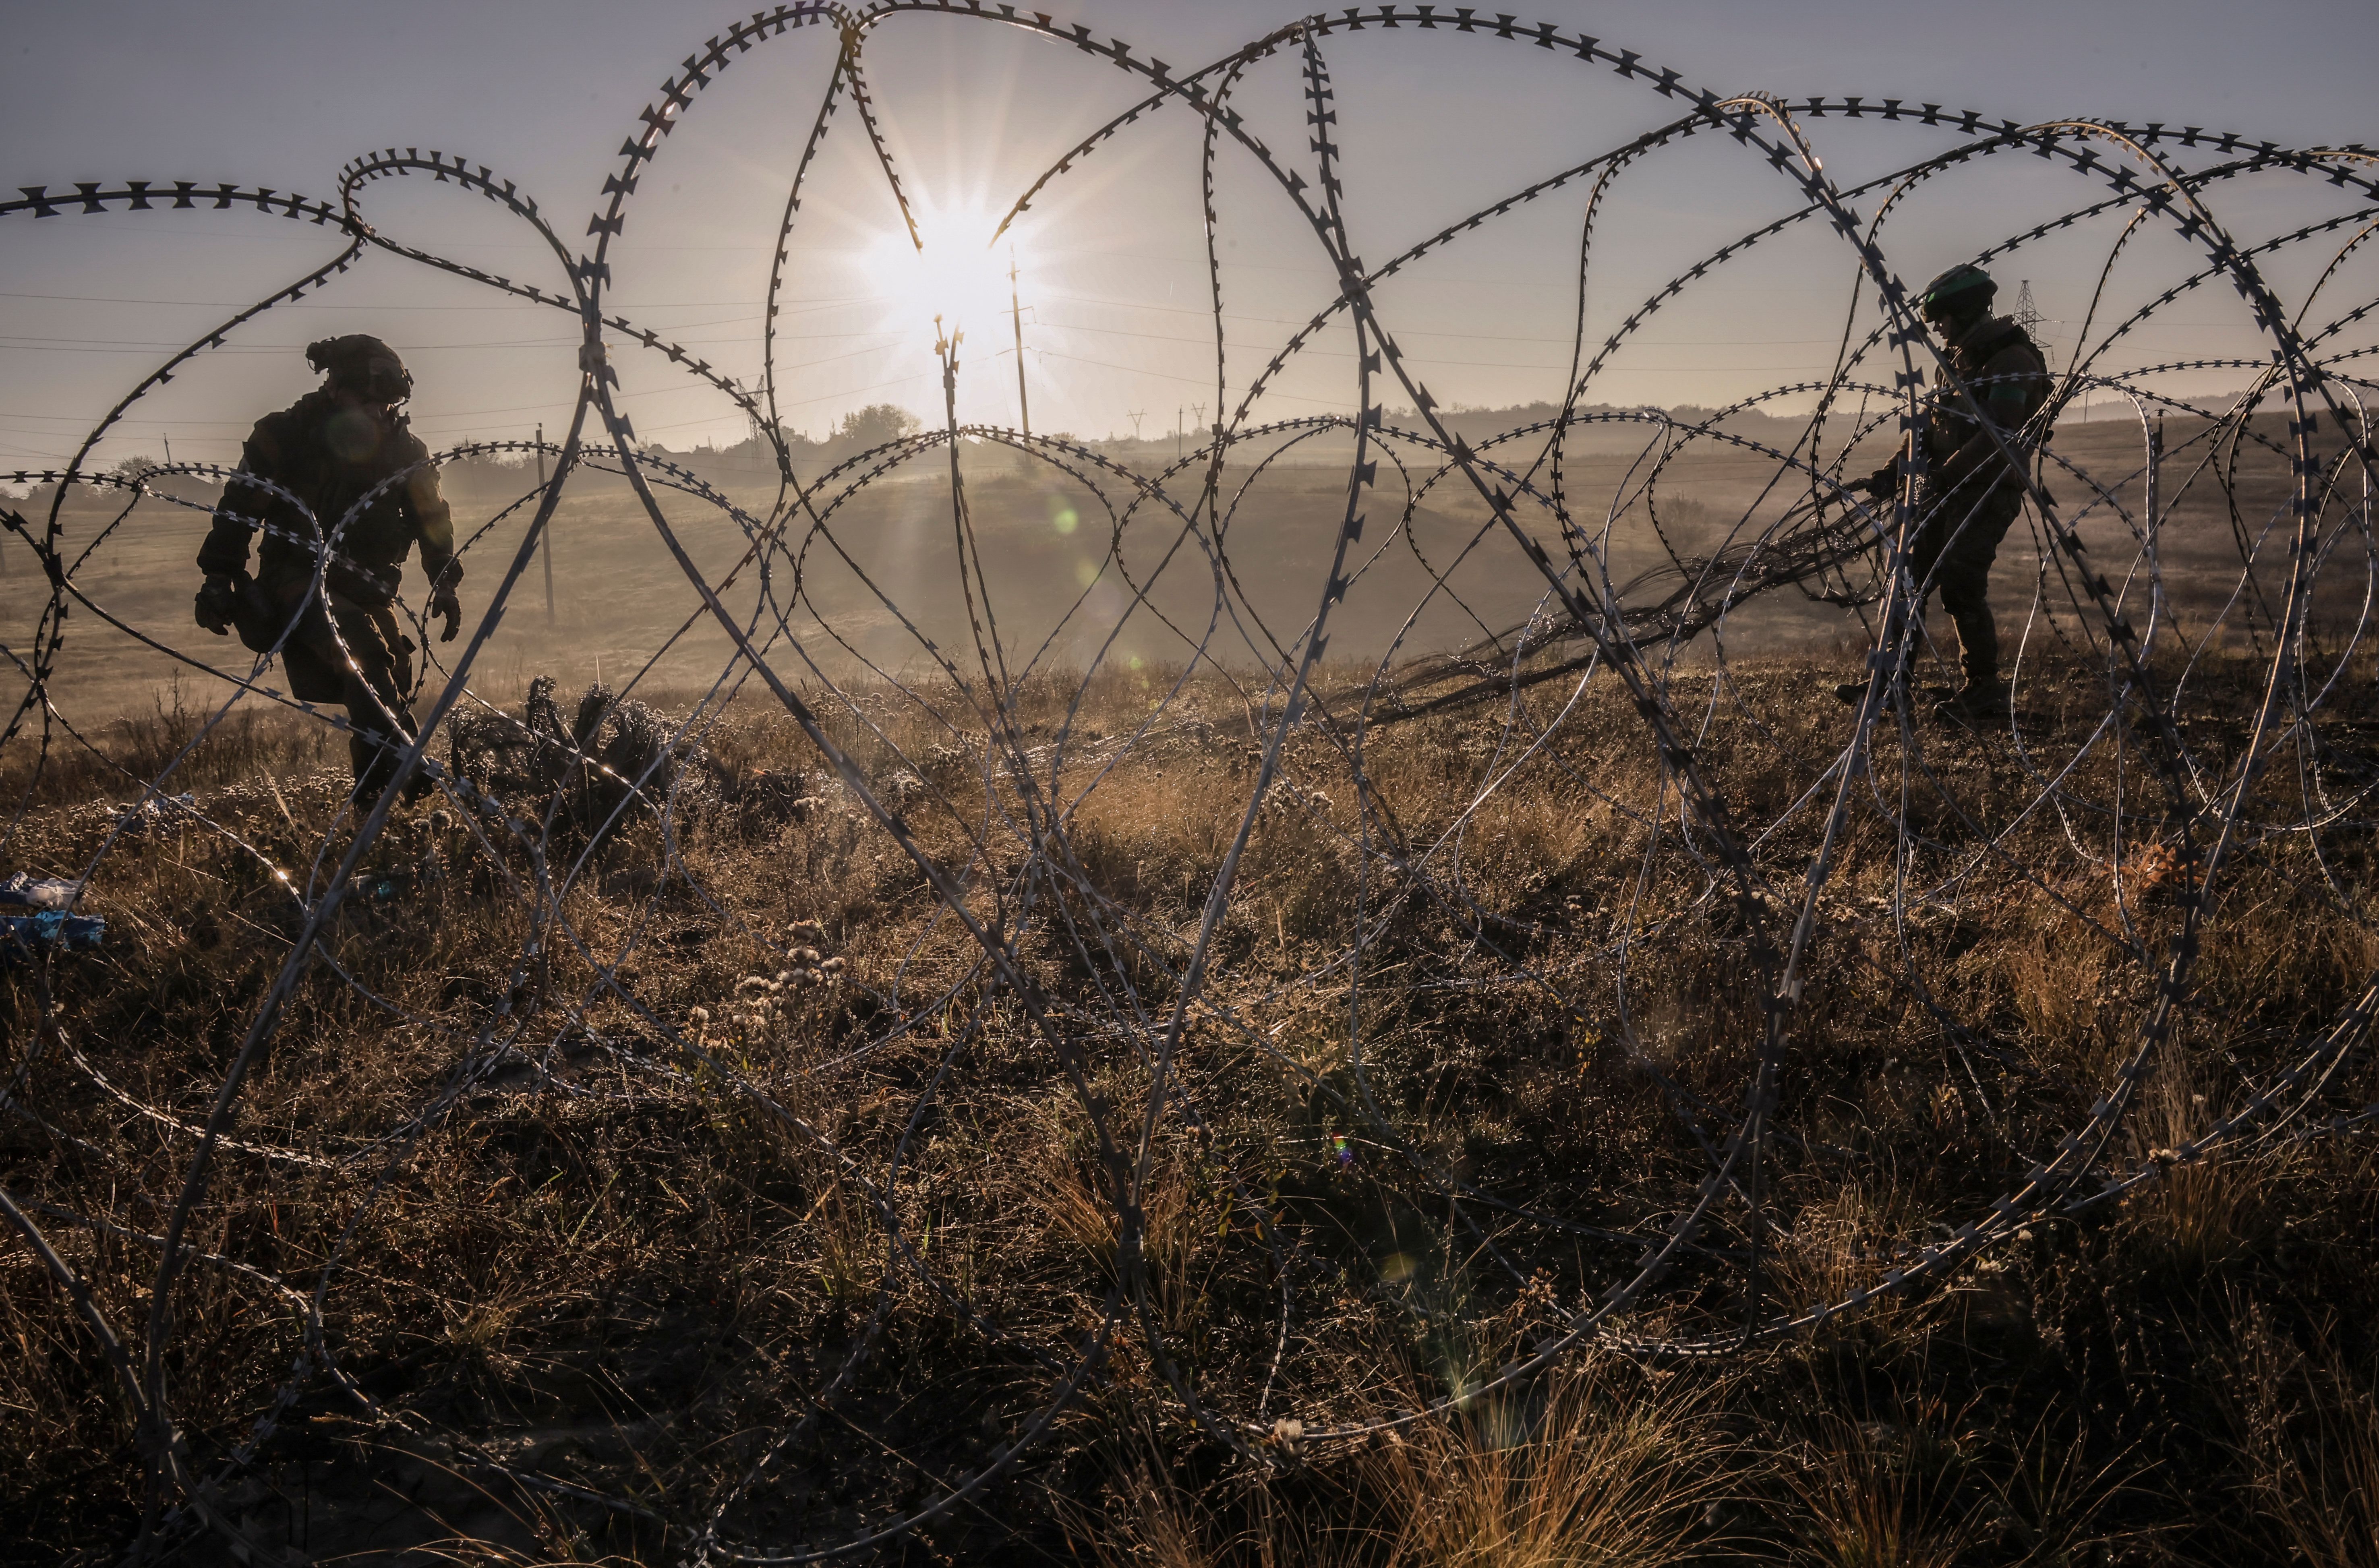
<point x="951" y="271"/>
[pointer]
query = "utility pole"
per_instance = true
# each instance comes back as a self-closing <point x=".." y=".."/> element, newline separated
<point x="1015" y="315"/>
<point x="169" y="452"/>
<point x="544" y="545"/>
<point x="1176" y="430"/>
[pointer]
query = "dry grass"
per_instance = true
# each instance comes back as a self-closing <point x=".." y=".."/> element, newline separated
<point x="1883" y="1494"/>
<point x="1593" y="1471"/>
<point x="2307" y="1432"/>
<point x="633" y="1275"/>
<point x="1596" y="1468"/>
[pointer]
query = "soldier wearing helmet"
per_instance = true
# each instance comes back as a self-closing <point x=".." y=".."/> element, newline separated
<point x="364" y="480"/>
<point x="1995" y="385"/>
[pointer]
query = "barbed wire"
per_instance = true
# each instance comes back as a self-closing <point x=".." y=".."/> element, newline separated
<point x="1018" y="877"/>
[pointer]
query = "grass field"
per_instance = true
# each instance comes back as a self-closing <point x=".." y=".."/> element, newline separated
<point x="1062" y="564"/>
<point x="755" y="1200"/>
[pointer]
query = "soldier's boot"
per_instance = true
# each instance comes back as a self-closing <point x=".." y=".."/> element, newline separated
<point x="1850" y="694"/>
<point x="376" y="770"/>
<point x="1898" y="687"/>
<point x="364" y="757"/>
<point x="1977" y="702"/>
<point x="1983" y="697"/>
<point x="375" y="765"/>
<point x="376" y="760"/>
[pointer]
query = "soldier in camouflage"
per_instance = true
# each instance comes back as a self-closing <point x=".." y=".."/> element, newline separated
<point x="1970" y="494"/>
<point x="334" y="446"/>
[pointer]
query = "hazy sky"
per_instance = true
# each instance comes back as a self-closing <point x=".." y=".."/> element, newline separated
<point x="1434" y="126"/>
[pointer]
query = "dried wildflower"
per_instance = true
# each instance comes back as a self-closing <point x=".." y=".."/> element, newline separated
<point x="2153" y="867"/>
<point x="832" y="966"/>
<point x="807" y="954"/>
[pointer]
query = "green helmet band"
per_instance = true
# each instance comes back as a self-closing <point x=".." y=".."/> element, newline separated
<point x="1962" y="279"/>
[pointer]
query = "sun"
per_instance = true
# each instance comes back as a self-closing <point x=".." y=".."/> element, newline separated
<point x="958" y="273"/>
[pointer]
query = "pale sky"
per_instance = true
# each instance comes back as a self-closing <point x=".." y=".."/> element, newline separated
<point x="1434" y="126"/>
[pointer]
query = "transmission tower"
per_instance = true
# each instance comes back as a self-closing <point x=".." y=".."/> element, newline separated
<point x="2026" y="314"/>
<point x="1135" y="416"/>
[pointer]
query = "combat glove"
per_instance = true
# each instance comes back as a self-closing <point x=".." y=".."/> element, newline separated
<point x="443" y="602"/>
<point x="217" y="605"/>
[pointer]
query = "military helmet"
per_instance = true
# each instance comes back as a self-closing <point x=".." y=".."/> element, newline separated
<point x="1965" y="278"/>
<point x="362" y="363"/>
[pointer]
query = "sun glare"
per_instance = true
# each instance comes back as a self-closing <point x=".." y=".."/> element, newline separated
<point x="958" y="275"/>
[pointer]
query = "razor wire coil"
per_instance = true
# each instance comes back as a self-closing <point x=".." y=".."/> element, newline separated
<point x="1767" y="877"/>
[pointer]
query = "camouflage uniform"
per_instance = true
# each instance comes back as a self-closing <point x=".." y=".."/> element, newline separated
<point x="1958" y="530"/>
<point x="331" y="450"/>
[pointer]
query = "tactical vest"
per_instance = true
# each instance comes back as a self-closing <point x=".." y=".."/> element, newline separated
<point x="331" y="455"/>
<point x="1953" y="423"/>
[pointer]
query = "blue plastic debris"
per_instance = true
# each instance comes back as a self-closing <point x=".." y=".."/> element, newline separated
<point x="25" y="891"/>
<point x="22" y="934"/>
